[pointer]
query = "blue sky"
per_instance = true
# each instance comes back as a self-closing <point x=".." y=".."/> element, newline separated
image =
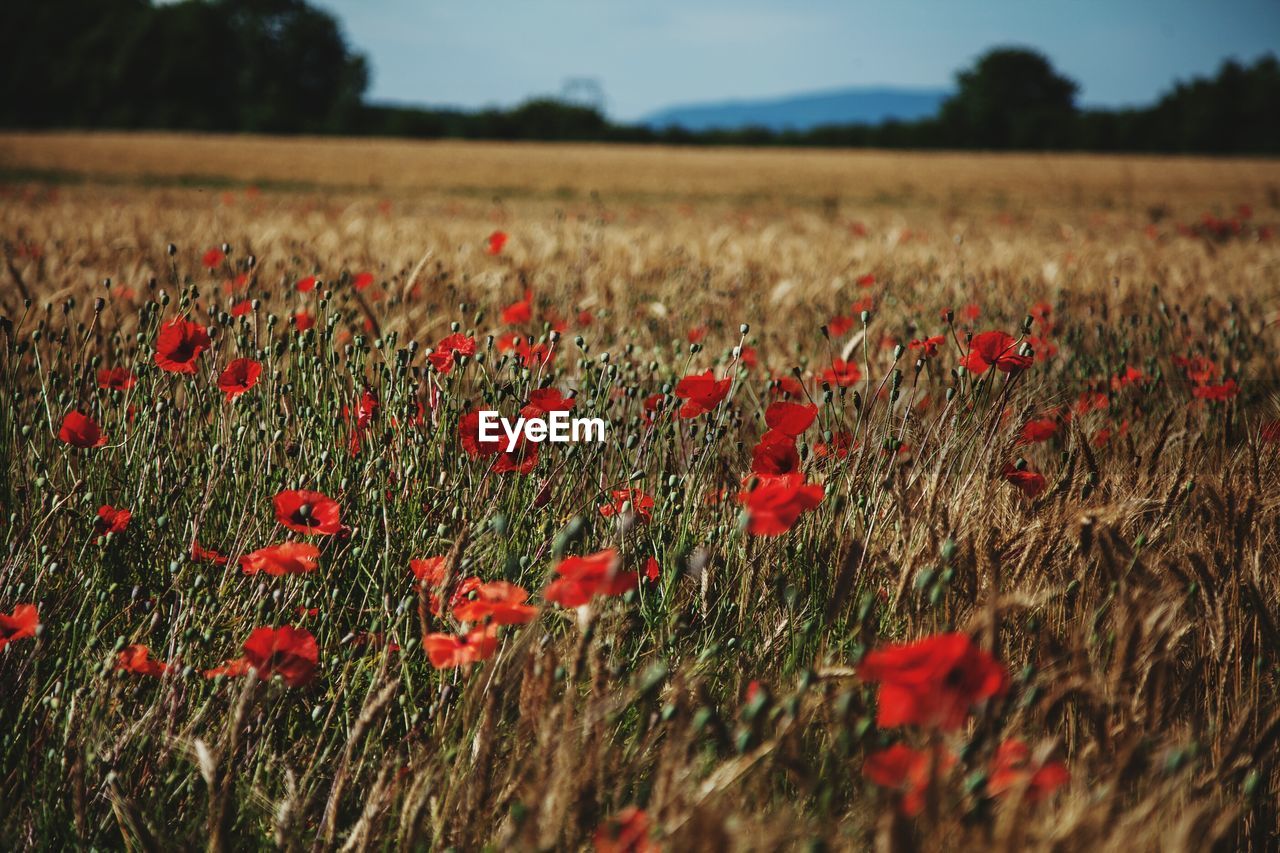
<point x="649" y="54"/>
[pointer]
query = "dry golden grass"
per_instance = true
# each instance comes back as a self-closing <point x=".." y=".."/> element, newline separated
<point x="392" y="166"/>
<point x="1134" y="602"/>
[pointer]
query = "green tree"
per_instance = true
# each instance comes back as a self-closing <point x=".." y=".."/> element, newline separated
<point x="1010" y="98"/>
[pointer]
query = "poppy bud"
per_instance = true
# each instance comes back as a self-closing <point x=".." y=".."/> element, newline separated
<point x="226" y="248"/>
<point x="898" y="351"/>
<point x="866" y="317"/>
<point x="744" y="328"/>
<point x="251" y="261"/>
<point x="173" y="250"/>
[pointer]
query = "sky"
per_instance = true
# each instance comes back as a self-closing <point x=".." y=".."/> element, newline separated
<point x="650" y="54"/>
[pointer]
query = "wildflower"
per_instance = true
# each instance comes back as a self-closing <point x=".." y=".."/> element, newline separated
<point x="583" y="578"/>
<point x="21" y="624"/>
<point x="1031" y="483"/>
<point x="446" y="353"/>
<point x="1217" y="393"/>
<point x="200" y="554"/>
<point x="288" y="652"/>
<point x="790" y="419"/>
<point x="544" y="401"/>
<point x="238" y="377"/>
<point x="79" y="430"/>
<point x="929" y="346"/>
<point x="213" y="258"/>
<point x="841" y="373"/>
<point x="775" y="504"/>
<point x="839" y="325"/>
<point x="306" y="285"/>
<point x="287" y="558"/>
<point x="362" y="280"/>
<point x="519" y="313"/>
<point x="116" y="378"/>
<point x="110" y="520"/>
<point x="179" y="344"/>
<point x="701" y="393"/>
<point x="1012" y="769"/>
<point x="775" y="455"/>
<point x="932" y="682"/>
<point x="304" y="511"/>
<point x="908" y="771"/>
<point x="641" y="504"/>
<point x="500" y="602"/>
<point x="496" y="241"/>
<point x="625" y="832"/>
<point x="303" y="321"/>
<point x="994" y="349"/>
<point x="1038" y="430"/>
<point x="137" y="659"/>
<point x="447" y="651"/>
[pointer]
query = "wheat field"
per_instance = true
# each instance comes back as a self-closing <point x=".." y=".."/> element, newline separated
<point x="968" y="541"/>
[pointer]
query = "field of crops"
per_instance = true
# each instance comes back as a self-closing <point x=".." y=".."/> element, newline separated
<point x="938" y="506"/>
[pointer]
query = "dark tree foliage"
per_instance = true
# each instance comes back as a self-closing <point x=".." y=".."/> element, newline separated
<point x="281" y="66"/>
<point x="251" y="65"/>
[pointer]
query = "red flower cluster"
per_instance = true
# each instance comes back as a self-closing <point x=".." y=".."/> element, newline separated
<point x="933" y="682"/>
<point x="701" y="393"/>
<point x="583" y="578"/>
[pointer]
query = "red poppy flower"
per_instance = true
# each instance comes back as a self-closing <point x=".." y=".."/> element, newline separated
<point x="233" y="668"/>
<point x="583" y="578"/>
<point x="625" y="832"/>
<point x="971" y="311"/>
<point x="908" y="771"/>
<point x="1031" y="483"/>
<point x="522" y="460"/>
<point x="776" y="503"/>
<point x="866" y="280"/>
<point x="1198" y="369"/>
<point x="518" y="313"/>
<point x="179" y="344"/>
<point x="641" y="504"/>
<point x="137" y="659"/>
<point x="469" y="435"/>
<point x="841" y="373"/>
<point x="306" y="285"/>
<point x="775" y="455"/>
<point x="789" y="385"/>
<point x="19" y="625"/>
<point x="1129" y="376"/>
<point x="288" y="652"/>
<point x="839" y="325"/>
<point x="748" y="357"/>
<point x="367" y="411"/>
<point x="932" y="682"/>
<point x="544" y="401"/>
<point x="1012" y="768"/>
<point x="287" y="558"/>
<point x="497" y="240"/>
<point x="652" y="571"/>
<point x="304" y="511"/>
<point x="996" y="349"/>
<point x="111" y="520"/>
<point x="527" y="353"/>
<point x="242" y="308"/>
<point x="701" y="393"/>
<point x="81" y="431"/>
<point x="238" y="377"/>
<point x="429" y="570"/>
<point x="116" y="378"/>
<point x="200" y="554"/>
<point x="929" y="345"/>
<point x="362" y="280"/>
<point x="696" y="334"/>
<point x="213" y="258"/>
<point x="500" y="602"/>
<point x="790" y="418"/>
<point x="444" y="355"/>
<point x="841" y="443"/>
<point x="1038" y="430"/>
<point x="303" y="321"/>
<point x="447" y="651"/>
<point x="1218" y="393"/>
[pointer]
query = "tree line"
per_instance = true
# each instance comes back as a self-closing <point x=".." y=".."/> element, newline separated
<point x="283" y="66"/>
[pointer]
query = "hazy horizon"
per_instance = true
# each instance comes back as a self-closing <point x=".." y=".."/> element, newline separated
<point x="663" y="53"/>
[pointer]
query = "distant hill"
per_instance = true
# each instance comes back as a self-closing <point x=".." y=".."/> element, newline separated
<point x="805" y="111"/>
